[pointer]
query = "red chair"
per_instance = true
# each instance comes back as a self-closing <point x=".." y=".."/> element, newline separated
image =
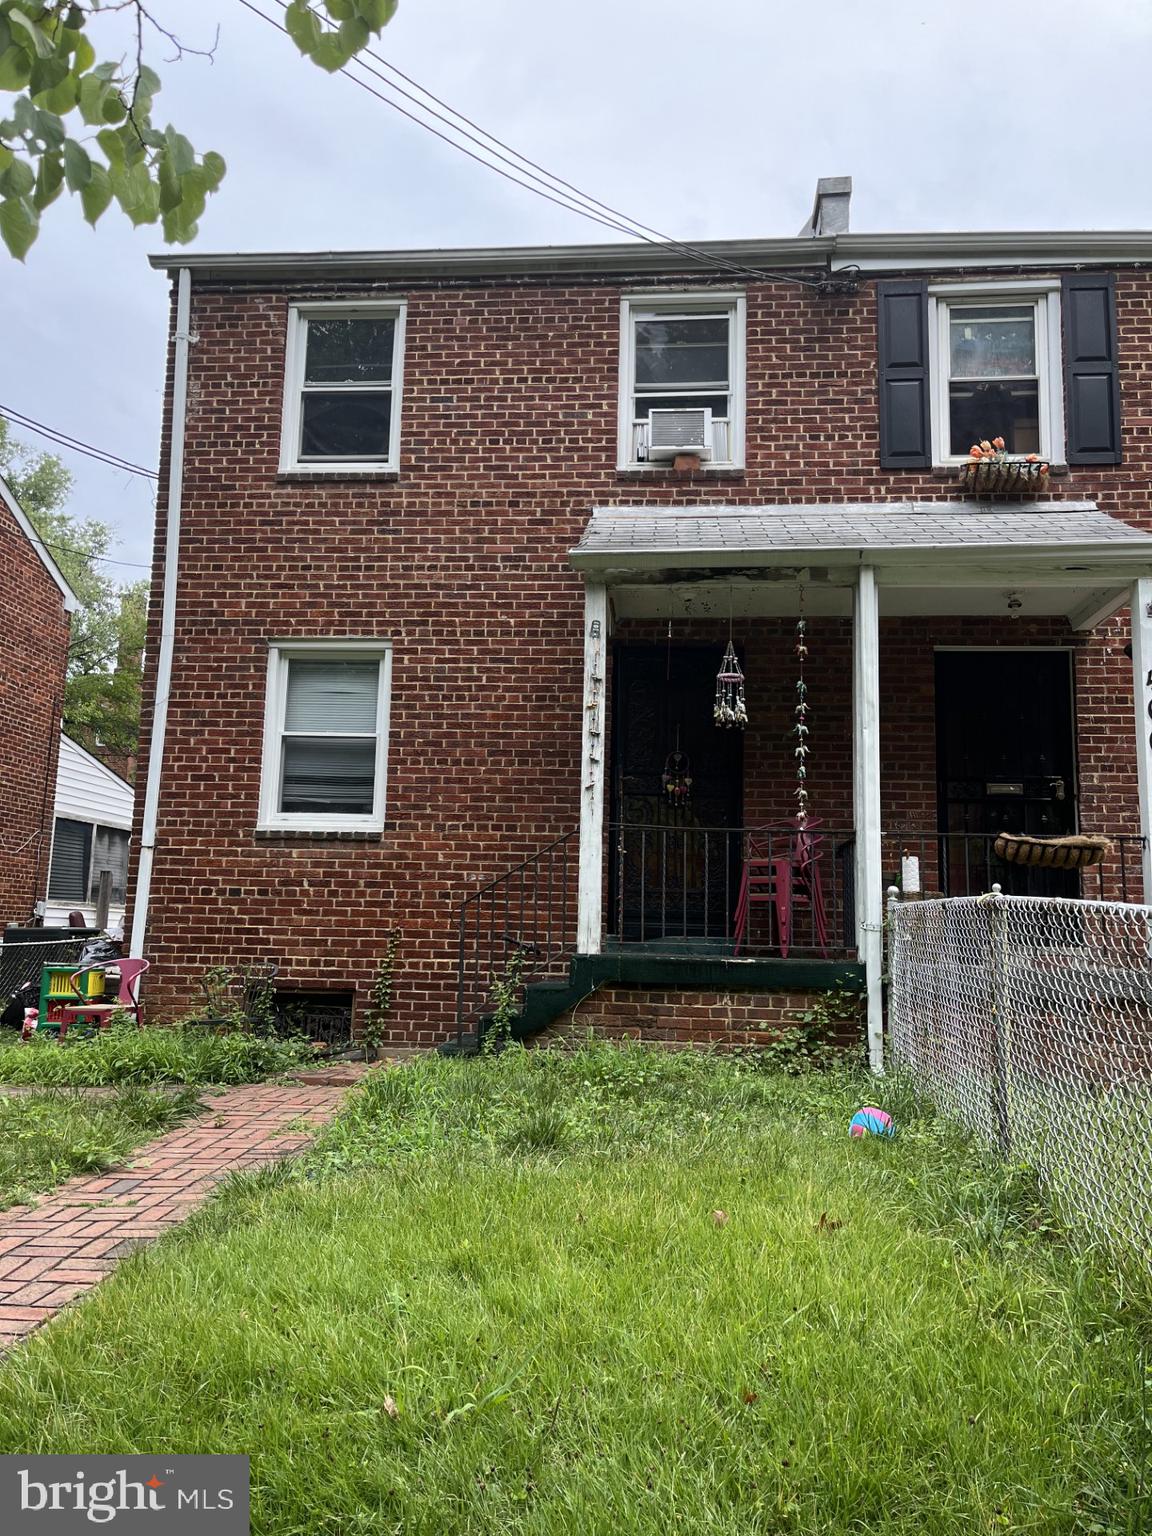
<point x="127" y="998"/>
<point x="782" y="871"/>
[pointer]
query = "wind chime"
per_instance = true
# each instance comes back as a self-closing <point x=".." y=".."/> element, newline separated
<point x="800" y="729"/>
<point x="676" y="780"/>
<point x="730" y="708"/>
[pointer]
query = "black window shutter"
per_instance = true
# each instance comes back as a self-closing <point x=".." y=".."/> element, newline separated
<point x="71" y="858"/>
<point x="1091" y="377"/>
<point x="905" y="435"/>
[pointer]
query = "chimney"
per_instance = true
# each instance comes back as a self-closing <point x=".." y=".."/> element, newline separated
<point x="830" y="210"/>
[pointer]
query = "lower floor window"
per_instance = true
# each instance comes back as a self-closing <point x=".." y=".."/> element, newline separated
<point x="325" y="735"/>
<point x="82" y="851"/>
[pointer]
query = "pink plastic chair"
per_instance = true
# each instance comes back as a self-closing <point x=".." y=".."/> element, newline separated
<point x="782" y="871"/>
<point x="127" y="998"/>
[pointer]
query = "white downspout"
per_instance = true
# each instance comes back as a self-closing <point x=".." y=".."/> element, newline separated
<point x="167" y="615"/>
<point x="1141" y="612"/>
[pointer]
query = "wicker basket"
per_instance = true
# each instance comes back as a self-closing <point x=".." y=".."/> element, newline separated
<point x="1005" y="477"/>
<point x="1076" y="852"/>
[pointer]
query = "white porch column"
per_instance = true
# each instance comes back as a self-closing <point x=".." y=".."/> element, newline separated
<point x="866" y="803"/>
<point x="589" y="918"/>
<point x="1141" y="604"/>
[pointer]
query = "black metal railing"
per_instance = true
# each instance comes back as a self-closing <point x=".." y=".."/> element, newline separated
<point x="528" y="912"/>
<point x="966" y="864"/>
<point x="685" y="886"/>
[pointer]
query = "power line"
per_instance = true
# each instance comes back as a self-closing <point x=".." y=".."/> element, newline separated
<point x="547" y="185"/>
<point x="63" y="440"/>
<point x="87" y="554"/>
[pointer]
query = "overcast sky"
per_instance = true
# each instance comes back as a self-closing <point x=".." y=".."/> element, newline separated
<point x="702" y="119"/>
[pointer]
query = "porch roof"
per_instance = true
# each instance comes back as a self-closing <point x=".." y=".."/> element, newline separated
<point x="930" y="557"/>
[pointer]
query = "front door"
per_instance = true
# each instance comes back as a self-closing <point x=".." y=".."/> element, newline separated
<point x="1006" y="763"/>
<point x="675" y="857"/>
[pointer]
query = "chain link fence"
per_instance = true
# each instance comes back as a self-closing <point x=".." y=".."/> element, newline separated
<point x="1029" y="1020"/>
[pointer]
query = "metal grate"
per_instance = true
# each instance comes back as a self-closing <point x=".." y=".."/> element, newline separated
<point x="1029" y="1020"/>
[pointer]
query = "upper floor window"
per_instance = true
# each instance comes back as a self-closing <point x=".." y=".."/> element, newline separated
<point x="326" y="735"/>
<point x="342" y="387"/>
<point x="997" y="369"/>
<point x="682" y="353"/>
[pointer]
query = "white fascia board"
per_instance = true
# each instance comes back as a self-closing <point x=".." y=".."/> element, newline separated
<point x="119" y="782"/>
<point x="7" y="495"/>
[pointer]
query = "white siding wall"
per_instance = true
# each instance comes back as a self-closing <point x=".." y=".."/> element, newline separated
<point x="87" y="791"/>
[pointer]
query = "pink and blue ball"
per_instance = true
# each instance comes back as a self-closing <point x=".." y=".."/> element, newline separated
<point x="871" y="1122"/>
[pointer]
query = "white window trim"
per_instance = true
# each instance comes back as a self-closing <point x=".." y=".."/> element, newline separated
<point x="634" y="304"/>
<point x="271" y="818"/>
<point x="294" y="358"/>
<point x="1045" y="293"/>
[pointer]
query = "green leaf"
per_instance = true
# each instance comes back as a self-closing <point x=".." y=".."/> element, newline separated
<point x="377" y="13"/>
<point x="60" y="97"/>
<point x="181" y="153"/>
<point x="214" y="168"/>
<point x="92" y="93"/>
<point x="96" y="196"/>
<point x="48" y="128"/>
<point x="330" y="54"/>
<point x="77" y="166"/>
<point x="17" y="179"/>
<point x="83" y="53"/>
<point x="302" y="27"/>
<point x="42" y="44"/>
<point x="19" y="223"/>
<point x="46" y="73"/>
<point x="112" y="145"/>
<point x="15" y="68"/>
<point x="340" y="10"/>
<point x="6" y="158"/>
<point x="178" y="228"/>
<point x="49" y="180"/>
<point x="353" y="35"/>
<point x="169" y="183"/>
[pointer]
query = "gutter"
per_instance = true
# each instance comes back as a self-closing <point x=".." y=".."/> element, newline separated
<point x="143" y="889"/>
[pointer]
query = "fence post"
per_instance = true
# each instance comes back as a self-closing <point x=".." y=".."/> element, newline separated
<point x="103" y="898"/>
<point x="1001" y="1044"/>
<point x="894" y="968"/>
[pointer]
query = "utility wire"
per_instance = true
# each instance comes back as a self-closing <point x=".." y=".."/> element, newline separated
<point x="63" y="440"/>
<point x="549" y="188"/>
<point x="87" y="554"/>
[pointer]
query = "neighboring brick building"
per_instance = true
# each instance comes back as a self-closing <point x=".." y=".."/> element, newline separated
<point x="35" y="604"/>
<point x="390" y="683"/>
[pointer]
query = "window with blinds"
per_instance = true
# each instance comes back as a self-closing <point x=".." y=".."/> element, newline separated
<point x="325" y="737"/>
<point x="110" y="852"/>
<point x="71" y="860"/>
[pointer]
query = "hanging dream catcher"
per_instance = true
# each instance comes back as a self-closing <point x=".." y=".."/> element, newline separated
<point x="677" y="778"/>
<point x="730" y="708"/>
<point x="800" y="729"/>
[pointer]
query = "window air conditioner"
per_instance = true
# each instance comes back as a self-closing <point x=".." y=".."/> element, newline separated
<point x="685" y="431"/>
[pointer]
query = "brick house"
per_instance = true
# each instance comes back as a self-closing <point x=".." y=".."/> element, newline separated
<point x="454" y="545"/>
<point x="35" y="607"/>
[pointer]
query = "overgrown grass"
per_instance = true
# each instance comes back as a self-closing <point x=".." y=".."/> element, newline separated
<point x="124" y="1055"/>
<point x="47" y="1137"/>
<point x="620" y="1292"/>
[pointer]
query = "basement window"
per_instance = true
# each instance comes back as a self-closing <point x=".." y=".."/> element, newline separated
<point x="682" y="352"/>
<point x="326" y="736"/>
<point x="342" y="387"/>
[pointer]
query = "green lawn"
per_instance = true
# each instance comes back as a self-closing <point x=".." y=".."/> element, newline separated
<point x="125" y="1054"/>
<point x="619" y="1293"/>
<point x="47" y="1137"/>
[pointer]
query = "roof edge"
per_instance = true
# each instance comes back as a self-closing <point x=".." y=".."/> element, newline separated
<point x="8" y="496"/>
<point x="868" y="251"/>
<point x="96" y="763"/>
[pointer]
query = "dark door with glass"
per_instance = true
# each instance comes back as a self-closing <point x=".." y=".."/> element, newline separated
<point x="1006" y="763"/>
<point x="674" y="852"/>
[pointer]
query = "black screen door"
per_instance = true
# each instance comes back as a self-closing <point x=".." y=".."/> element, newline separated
<point x="1006" y="763"/>
<point x="675" y="867"/>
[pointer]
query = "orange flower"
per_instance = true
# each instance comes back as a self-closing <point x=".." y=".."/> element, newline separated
<point x="985" y="446"/>
<point x="974" y="452"/>
<point x="1031" y="458"/>
<point x="998" y="442"/>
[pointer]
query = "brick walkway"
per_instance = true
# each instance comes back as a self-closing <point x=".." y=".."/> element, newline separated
<point x="64" y="1246"/>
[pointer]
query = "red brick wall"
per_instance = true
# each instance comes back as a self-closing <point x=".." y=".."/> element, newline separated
<point x="688" y="1017"/>
<point x="509" y="438"/>
<point x="33" y="657"/>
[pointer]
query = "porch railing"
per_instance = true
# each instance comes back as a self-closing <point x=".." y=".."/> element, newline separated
<point x="681" y="885"/>
<point x="528" y="912"/>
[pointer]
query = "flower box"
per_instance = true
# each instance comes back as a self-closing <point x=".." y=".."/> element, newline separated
<point x="1079" y="851"/>
<point x="1001" y="477"/>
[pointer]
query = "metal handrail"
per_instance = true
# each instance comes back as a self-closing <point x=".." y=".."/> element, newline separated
<point x="530" y="909"/>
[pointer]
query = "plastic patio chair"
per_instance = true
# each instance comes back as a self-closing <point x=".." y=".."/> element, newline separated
<point x="127" y="999"/>
<point x="782" y="871"/>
